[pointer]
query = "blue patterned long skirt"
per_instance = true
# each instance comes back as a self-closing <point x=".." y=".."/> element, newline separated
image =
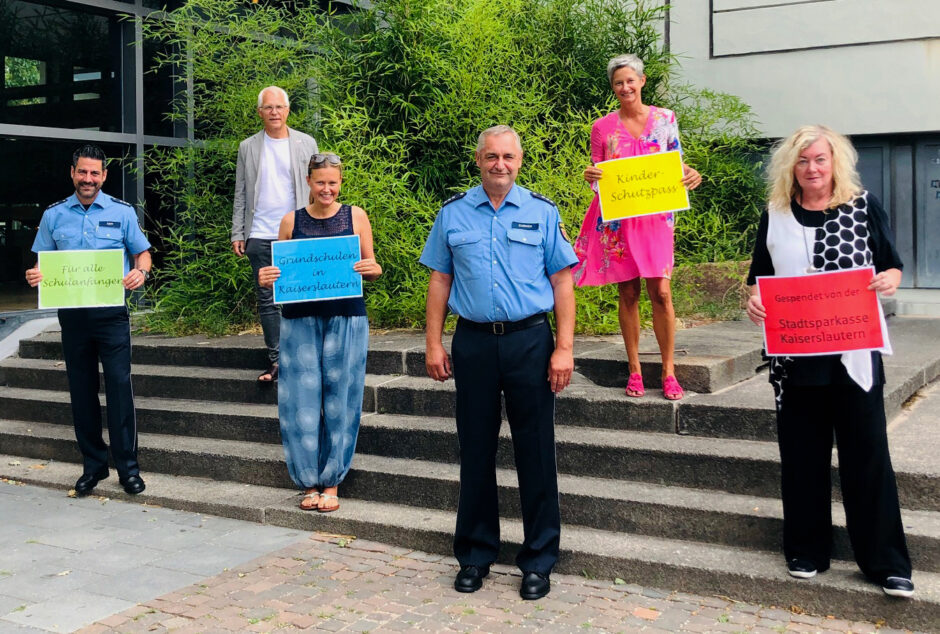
<point x="321" y="378"/>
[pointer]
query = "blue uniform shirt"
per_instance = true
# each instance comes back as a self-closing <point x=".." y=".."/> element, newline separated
<point x="109" y="223"/>
<point x="500" y="260"/>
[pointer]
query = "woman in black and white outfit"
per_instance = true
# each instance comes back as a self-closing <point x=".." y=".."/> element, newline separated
<point x="819" y="218"/>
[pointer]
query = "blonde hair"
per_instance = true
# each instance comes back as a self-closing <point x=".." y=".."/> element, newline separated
<point x="782" y="187"/>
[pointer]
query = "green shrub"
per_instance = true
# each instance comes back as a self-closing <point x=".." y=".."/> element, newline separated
<point x="401" y="90"/>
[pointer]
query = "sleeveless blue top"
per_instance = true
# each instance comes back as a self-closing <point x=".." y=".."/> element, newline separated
<point x="306" y="226"/>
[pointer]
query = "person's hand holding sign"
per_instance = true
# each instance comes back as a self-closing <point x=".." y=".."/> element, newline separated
<point x="134" y="279"/>
<point x="368" y="268"/>
<point x="267" y="275"/>
<point x="33" y="276"/>
<point x="754" y="309"/>
<point x="690" y="177"/>
<point x="592" y="174"/>
<point x="886" y="282"/>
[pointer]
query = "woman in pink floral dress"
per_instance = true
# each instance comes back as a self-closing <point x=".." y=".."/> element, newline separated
<point x="623" y="251"/>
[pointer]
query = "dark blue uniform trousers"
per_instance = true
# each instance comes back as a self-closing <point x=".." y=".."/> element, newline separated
<point x="516" y="365"/>
<point x="90" y="334"/>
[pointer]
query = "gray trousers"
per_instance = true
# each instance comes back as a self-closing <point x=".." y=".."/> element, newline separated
<point x="259" y="255"/>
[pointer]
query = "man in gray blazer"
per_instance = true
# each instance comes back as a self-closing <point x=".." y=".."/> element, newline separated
<point x="270" y="180"/>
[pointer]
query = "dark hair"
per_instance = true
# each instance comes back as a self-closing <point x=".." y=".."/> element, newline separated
<point x="90" y="151"/>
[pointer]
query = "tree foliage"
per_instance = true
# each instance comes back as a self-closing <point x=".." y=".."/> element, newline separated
<point x="400" y="90"/>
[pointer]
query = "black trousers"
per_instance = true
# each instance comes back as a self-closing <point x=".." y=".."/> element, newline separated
<point x="90" y="334"/>
<point x="516" y="365"/>
<point x="806" y="420"/>
<point x="258" y="252"/>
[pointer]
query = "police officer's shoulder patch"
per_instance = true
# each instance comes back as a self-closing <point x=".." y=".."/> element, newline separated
<point x="564" y="234"/>
<point x="545" y="198"/>
<point x="453" y="198"/>
<point x="58" y="202"/>
<point x="120" y="202"/>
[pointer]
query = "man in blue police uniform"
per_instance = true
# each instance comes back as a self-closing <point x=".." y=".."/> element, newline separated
<point x="89" y="219"/>
<point x="500" y="261"/>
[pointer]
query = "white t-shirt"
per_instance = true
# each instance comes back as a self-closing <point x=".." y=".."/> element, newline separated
<point x="275" y="189"/>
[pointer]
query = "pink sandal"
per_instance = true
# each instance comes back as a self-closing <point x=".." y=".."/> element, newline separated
<point x="672" y="391"/>
<point x="635" y="386"/>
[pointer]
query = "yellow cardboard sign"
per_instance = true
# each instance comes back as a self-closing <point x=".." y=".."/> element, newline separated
<point x="641" y="186"/>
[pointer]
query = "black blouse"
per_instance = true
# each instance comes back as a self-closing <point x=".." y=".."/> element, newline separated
<point x="828" y="369"/>
<point x="306" y="226"/>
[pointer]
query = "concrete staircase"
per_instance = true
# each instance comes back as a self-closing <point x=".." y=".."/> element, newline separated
<point x="681" y="496"/>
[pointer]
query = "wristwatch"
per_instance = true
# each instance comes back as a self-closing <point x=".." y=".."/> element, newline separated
<point x="146" y="274"/>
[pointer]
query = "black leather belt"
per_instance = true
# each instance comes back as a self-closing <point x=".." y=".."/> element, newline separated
<point x="503" y="327"/>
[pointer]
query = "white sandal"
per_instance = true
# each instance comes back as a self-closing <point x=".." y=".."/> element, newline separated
<point x="314" y="496"/>
<point x="325" y="496"/>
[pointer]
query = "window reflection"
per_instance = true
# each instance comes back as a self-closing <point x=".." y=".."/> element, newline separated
<point x="60" y="67"/>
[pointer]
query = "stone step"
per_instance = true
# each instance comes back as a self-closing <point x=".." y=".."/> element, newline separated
<point x="583" y="404"/>
<point x="746" y="521"/>
<point x="708" y="357"/>
<point x="209" y="419"/>
<point x="743" y="410"/>
<point x="746" y="409"/>
<point x="745" y="575"/>
<point x="215" y="384"/>
<point x="736" y="466"/>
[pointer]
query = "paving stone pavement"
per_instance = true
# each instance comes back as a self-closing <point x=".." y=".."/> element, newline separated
<point x="338" y="583"/>
<point x="67" y="562"/>
<point x="97" y="565"/>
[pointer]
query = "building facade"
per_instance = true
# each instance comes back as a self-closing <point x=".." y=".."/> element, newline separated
<point x="867" y="68"/>
<point x="73" y="75"/>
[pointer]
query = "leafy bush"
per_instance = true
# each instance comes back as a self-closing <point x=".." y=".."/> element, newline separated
<point x="401" y="90"/>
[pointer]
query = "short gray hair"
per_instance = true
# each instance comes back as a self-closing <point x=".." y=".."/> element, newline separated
<point x="277" y="88"/>
<point x="624" y="61"/>
<point x="495" y="131"/>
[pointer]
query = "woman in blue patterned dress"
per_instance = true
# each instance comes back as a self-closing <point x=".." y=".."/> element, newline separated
<point x="323" y="348"/>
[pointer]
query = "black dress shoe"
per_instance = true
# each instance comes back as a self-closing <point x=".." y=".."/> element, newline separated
<point x="133" y="484"/>
<point x="89" y="481"/>
<point x="534" y="586"/>
<point x="470" y="578"/>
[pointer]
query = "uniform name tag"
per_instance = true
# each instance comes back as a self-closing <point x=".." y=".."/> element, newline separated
<point x="530" y="226"/>
<point x="111" y="224"/>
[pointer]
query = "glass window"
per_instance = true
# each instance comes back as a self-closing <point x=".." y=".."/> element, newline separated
<point x="169" y="5"/>
<point x="60" y="67"/>
<point x="35" y="174"/>
<point x="159" y="90"/>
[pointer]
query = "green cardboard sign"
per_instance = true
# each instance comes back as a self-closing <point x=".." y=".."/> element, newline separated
<point x="81" y="279"/>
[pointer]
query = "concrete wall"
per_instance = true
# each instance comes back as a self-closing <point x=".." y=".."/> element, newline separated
<point x="860" y="66"/>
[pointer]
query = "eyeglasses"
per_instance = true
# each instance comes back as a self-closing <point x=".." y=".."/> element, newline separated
<point x="269" y="108"/>
<point x="325" y="157"/>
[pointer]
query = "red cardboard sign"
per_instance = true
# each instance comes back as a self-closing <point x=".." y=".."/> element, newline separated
<point x="822" y="313"/>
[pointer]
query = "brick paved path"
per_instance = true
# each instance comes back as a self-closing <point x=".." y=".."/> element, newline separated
<point x="334" y="584"/>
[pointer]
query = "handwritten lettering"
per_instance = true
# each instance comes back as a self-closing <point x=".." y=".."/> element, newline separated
<point x="317" y="258"/>
<point x="642" y="175"/>
<point x="645" y="193"/>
